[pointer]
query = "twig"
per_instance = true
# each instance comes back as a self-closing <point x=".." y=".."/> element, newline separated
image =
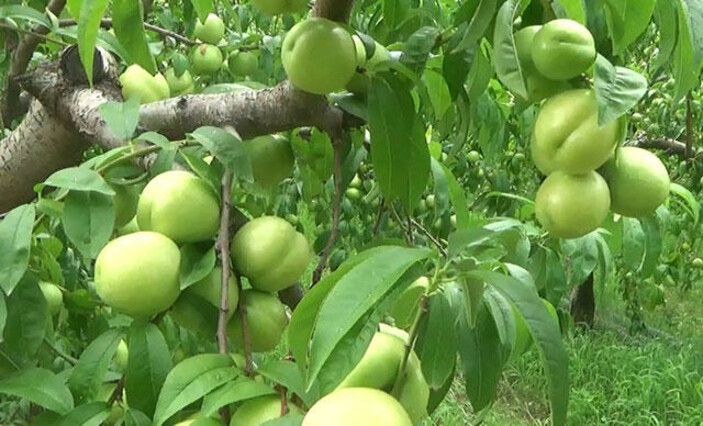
<point x="71" y="360"/>
<point x="34" y="34"/>
<point x="336" y="204"/>
<point x="117" y="392"/>
<point x="689" y="126"/>
<point x="407" y="231"/>
<point x="242" y="308"/>
<point x="107" y="24"/>
<point x="428" y="234"/>
<point x="223" y="247"/>
<point x="284" y="401"/>
<point x="414" y="328"/>
<point x="379" y="217"/>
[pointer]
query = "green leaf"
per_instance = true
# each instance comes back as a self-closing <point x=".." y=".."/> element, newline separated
<point x="91" y="414"/>
<point x="488" y="123"/>
<point x="437" y="341"/>
<point x="92" y="365"/>
<point x="3" y="315"/>
<point x="633" y="244"/>
<point x="480" y="75"/>
<point x="686" y="60"/>
<point x="394" y="12"/>
<point x="438" y="91"/>
<point x="88" y="25"/>
<point x="197" y="261"/>
<point x="203" y="8"/>
<point x="88" y="220"/>
<point x="399" y="151"/>
<point x="226" y="147"/>
<point x="41" y="387"/>
<point x="128" y="22"/>
<point x="470" y="31"/>
<point x="505" y="59"/>
<point x="618" y="89"/>
<point x="147" y="366"/>
<point x="687" y="200"/>
<point x="665" y="15"/>
<point x="74" y="8"/>
<point x="79" y="179"/>
<point x="24" y="13"/>
<point x="582" y="254"/>
<point x="573" y="9"/>
<point x="286" y="373"/>
<point x="121" y="118"/>
<point x="418" y="47"/>
<point x="627" y="20"/>
<point x="134" y="417"/>
<point x="240" y="389"/>
<point x="290" y="419"/>
<point x="15" y="245"/>
<point x="190" y="380"/>
<point x="27" y="318"/>
<point x="481" y="360"/>
<point x="444" y="178"/>
<point x="653" y="245"/>
<point x="545" y="333"/>
<point x="353" y="296"/>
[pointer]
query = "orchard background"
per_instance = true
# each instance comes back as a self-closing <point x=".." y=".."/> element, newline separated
<point x="380" y="212"/>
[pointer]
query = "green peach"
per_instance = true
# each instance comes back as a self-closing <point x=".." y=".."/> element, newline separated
<point x="209" y="289"/>
<point x="53" y="295"/>
<point x="266" y="318"/>
<point x="243" y="63"/>
<point x="271" y="159"/>
<point x="355" y="407"/>
<point x="206" y="59"/>
<point x="179" y="85"/>
<point x="211" y="31"/>
<point x="563" y="49"/>
<point x="258" y="411"/>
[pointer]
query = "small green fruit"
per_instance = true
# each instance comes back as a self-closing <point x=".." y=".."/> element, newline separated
<point x="319" y="56"/>
<point x="355" y="407"/>
<point x="211" y="31"/>
<point x="182" y="85"/>
<point x="272" y="159"/>
<point x="270" y="253"/>
<point x="563" y="49"/>
<point x="266" y="318"/>
<point x="571" y="206"/>
<point x="258" y="411"/>
<point x="53" y="295"/>
<point x="207" y="59"/>
<point x="278" y="7"/>
<point x="121" y="357"/>
<point x="697" y="263"/>
<point x="243" y="63"/>
<point x="638" y="181"/>
<point x="138" y="274"/>
<point x="353" y="194"/>
<point x="179" y="205"/>
<point x="138" y="83"/>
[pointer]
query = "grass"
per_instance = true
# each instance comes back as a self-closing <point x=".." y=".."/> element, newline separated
<point x="655" y="378"/>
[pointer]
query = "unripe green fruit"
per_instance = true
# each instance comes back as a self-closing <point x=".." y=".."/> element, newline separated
<point x="538" y="86"/>
<point x="353" y="194"/>
<point x="209" y="289"/>
<point x="243" y="63"/>
<point x="430" y="201"/>
<point x="266" y="318"/>
<point x="207" y="59"/>
<point x="405" y="307"/>
<point x="378" y="367"/>
<point x="355" y="407"/>
<point x="126" y="199"/>
<point x="473" y="156"/>
<point x="414" y="392"/>
<point x="356" y="182"/>
<point x="121" y="357"/>
<point x="563" y="49"/>
<point x="138" y="274"/>
<point x="179" y="205"/>
<point x="638" y="182"/>
<point x="567" y="136"/>
<point x="182" y="85"/>
<point x="272" y="159"/>
<point x="138" y="83"/>
<point x="319" y="56"/>
<point x="697" y="263"/>
<point x="277" y="7"/>
<point x="211" y="31"/>
<point x="257" y="411"/>
<point x="130" y="228"/>
<point x="53" y="295"/>
<point x="571" y="206"/>
<point x="270" y="253"/>
<point x="199" y="420"/>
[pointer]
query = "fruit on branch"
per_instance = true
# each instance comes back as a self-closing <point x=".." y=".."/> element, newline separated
<point x="138" y="274"/>
<point x="53" y="295"/>
<point x="571" y="206"/>
<point x="258" y="411"/>
<point x="405" y="307"/>
<point x="211" y="31"/>
<point x="638" y="181"/>
<point x="378" y="369"/>
<point x="266" y="319"/>
<point x="179" y="205"/>
<point x="271" y="159"/>
<point x="562" y="49"/>
<point x="179" y="85"/>
<point x="538" y="86"/>
<point x="139" y="84"/>
<point x="357" y="406"/>
<point x="125" y="199"/>
<point x="209" y="289"/>
<point x="319" y="56"/>
<point x="567" y="137"/>
<point x="121" y="357"/>
<point x="277" y="7"/>
<point x="243" y="63"/>
<point x="270" y="253"/>
<point x="207" y="59"/>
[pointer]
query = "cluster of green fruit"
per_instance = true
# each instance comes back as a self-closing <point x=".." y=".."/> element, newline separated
<point x="587" y="175"/>
<point x="320" y="56"/>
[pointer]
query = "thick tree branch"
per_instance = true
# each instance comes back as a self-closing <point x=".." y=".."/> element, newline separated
<point x="223" y="240"/>
<point x="22" y="55"/>
<point x="672" y="146"/>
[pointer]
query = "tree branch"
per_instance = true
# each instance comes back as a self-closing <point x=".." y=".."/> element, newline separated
<point x="672" y="146"/>
<point x="21" y="57"/>
<point x="223" y="247"/>
<point x="107" y="24"/>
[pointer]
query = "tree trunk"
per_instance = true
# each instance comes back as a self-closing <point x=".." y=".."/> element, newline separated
<point x="583" y="303"/>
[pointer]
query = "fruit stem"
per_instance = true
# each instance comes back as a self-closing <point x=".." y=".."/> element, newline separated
<point x="336" y="208"/>
<point x="223" y="241"/>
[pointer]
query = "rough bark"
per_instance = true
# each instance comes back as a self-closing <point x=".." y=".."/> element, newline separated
<point x="672" y="146"/>
<point x="22" y="54"/>
<point x="583" y="303"/>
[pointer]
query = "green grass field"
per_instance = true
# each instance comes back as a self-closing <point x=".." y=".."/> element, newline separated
<point x="652" y="378"/>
